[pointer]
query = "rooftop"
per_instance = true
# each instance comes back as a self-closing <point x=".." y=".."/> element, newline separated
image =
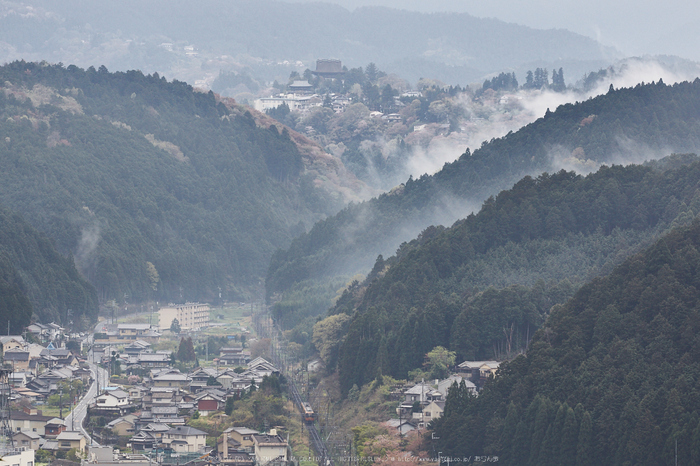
<point x="134" y="326"/>
<point x="242" y="430"/>
<point x="70" y="435"/>
<point x="477" y="364"/>
<point x="186" y="430"/>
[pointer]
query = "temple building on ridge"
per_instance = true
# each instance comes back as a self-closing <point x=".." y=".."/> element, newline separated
<point x="329" y="68"/>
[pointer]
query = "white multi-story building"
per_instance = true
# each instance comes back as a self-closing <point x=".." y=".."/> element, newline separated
<point x="301" y="103"/>
<point x="190" y="316"/>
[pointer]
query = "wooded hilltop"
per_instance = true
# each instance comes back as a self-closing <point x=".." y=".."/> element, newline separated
<point x="123" y="170"/>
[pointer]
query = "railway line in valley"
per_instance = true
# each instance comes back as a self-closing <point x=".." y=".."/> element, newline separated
<point x="270" y="330"/>
<point x="317" y="443"/>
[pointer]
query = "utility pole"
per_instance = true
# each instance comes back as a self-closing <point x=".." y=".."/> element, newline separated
<point x="72" y="409"/>
<point x="5" y="412"/>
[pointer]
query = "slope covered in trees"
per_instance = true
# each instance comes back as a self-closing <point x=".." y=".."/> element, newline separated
<point x="482" y="287"/>
<point x="647" y="121"/>
<point x="612" y="377"/>
<point x="123" y="170"/>
<point x="35" y="278"/>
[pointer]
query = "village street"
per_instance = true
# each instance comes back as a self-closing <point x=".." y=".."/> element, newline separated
<point x="74" y="421"/>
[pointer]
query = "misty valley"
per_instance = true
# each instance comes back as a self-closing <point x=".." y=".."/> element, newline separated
<point x="407" y="235"/>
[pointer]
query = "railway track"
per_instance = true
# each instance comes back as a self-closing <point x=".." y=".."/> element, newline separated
<point x="316" y="441"/>
<point x="323" y="458"/>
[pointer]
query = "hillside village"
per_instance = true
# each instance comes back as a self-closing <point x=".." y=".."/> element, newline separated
<point x="376" y="122"/>
<point x="143" y="406"/>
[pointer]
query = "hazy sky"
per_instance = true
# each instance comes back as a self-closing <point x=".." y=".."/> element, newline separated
<point x="634" y="27"/>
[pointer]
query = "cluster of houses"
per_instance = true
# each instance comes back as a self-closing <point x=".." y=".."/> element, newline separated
<point x="38" y="370"/>
<point x="425" y="401"/>
<point x="33" y="430"/>
<point x="151" y="416"/>
<point x="147" y="414"/>
<point x="301" y="98"/>
<point x="237" y="446"/>
<point x="37" y="373"/>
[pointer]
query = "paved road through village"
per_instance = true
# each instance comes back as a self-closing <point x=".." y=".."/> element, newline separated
<point x="74" y="421"/>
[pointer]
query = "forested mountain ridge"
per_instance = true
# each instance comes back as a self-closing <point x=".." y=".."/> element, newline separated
<point x="611" y="378"/>
<point x="633" y="124"/>
<point x="482" y="286"/>
<point x="124" y="170"/>
<point x="35" y="278"/>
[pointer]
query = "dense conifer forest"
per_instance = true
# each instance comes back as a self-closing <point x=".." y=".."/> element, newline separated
<point x="611" y="378"/>
<point x="482" y="287"/>
<point x="36" y="279"/>
<point x="660" y="119"/>
<point x="124" y="170"/>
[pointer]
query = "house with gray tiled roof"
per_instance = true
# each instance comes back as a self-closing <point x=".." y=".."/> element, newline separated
<point x="184" y="439"/>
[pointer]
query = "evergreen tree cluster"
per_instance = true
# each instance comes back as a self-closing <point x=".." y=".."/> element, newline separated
<point x="612" y="377"/>
<point x="481" y="287"/>
<point x="35" y="280"/>
<point x="540" y="80"/>
<point x="502" y="82"/>
<point x="558" y="84"/>
<point x="537" y="80"/>
<point x="185" y="350"/>
<point x="131" y="173"/>
<point x="655" y="116"/>
<point x="279" y="113"/>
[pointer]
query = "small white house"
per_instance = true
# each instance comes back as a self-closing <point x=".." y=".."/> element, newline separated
<point x="185" y="439"/>
<point x="112" y="399"/>
<point x="270" y="447"/>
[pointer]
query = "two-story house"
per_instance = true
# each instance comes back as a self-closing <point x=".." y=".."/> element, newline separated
<point x="243" y="436"/>
<point x="70" y="439"/>
<point x="29" y="422"/>
<point x="210" y="401"/>
<point x="171" y="380"/>
<point x="270" y="448"/>
<point x="27" y="439"/>
<point x="183" y="439"/>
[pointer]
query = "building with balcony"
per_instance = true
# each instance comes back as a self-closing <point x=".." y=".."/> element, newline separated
<point x="190" y="316"/>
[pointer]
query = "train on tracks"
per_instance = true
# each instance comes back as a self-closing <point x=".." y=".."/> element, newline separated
<point x="308" y="413"/>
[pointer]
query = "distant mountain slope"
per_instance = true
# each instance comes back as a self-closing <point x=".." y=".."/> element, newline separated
<point x="482" y="286"/>
<point x="456" y="48"/>
<point x="35" y="278"/>
<point x="644" y="122"/>
<point x="612" y="378"/>
<point x="123" y="170"/>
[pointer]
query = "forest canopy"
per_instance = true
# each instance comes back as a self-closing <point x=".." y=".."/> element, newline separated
<point x="152" y="186"/>
<point x="624" y="125"/>
<point x="483" y="286"/>
<point x="612" y="377"/>
<point x="36" y="280"/>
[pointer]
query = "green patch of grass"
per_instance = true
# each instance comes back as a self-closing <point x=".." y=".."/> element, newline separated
<point x="51" y="411"/>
